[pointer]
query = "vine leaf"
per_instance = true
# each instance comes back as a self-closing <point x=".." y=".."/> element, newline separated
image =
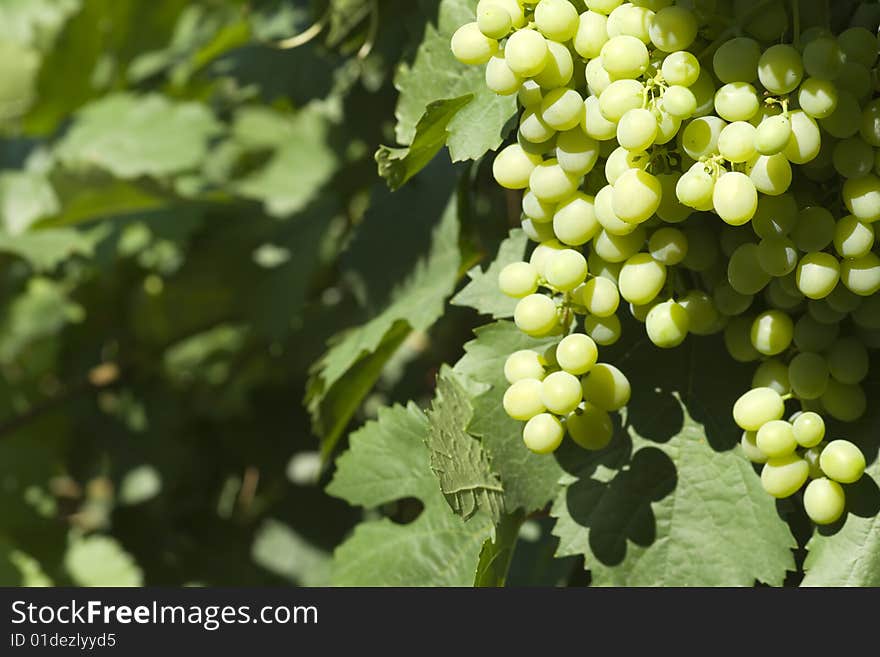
<point x="849" y="555"/>
<point x="387" y="461"/>
<point x="398" y="165"/>
<point x="662" y="506"/>
<point x="497" y="552"/>
<point x="414" y="305"/>
<point x="530" y="481"/>
<point x="457" y="458"/>
<point x="482" y="293"/>
<point x="476" y="128"/>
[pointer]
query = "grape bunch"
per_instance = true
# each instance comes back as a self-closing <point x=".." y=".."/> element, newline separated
<point x="708" y="167"/>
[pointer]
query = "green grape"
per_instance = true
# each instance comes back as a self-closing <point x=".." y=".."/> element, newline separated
<point x="842" y="300"/>
<point x="500" y="79"/>
<point x="550" y="183"/>
<point x="861" y="275"/>
<point x="671" y="210"/>
<point x="640" y="313"/>
<point x="776" y="216"/>
<point x="599" y="296"/>
<point x="848" y="360"/>
<point x="844" y="121"/>
<point x="529" y="94"/>
<point x="749" y="447"/>
<point x="858" y="45"/>
<point x="808" y="373"/>
<point x="608" y="218"/>
<point x="852" y="238"/>
<point x="862" y="197"/>
<point x="537" y="210"/>
<point x="556" y="19"/>
<point x="494" y="21"/>
<point x="821" y="311"/>
<point x="855" y="79"/>
<point x="680" y="68"/>
<point x="704" y="91"/>
<point x="776" y="439"/>
<point x="576" y="152"/>
<point x="560" y="391"/>
<point x="518" y="280"/>
<point x="814" y="229"/>
<point x="637" y="129"/>
<point x="744" y="271"/>
<point x="805" y="140"/>
<point x="704" y="318"/>
<point x="630" y="20"/>
<point x="772" y="373"/>
<point x="526" y="52"/>
<point x="641" y="278"/>
<point x="780" y="69"/>
<point x="533" y="128"/>
<point x="624" y="57"/>
<point x="736" y="143"/>
<point x="590" y="427"/>
<point x="772" y="332"/>
<point x="603" y="6"/>
<point x="844" y="401"/>
<point x="591" y="34"/>
<point x="757" y="407"/>
<point x="523" y="364"/>
<point x="703" y="252"/>
<point x="618" y="248"/>
<point x="700" y="137"/>
<point x="867" y="315"/>
<point x="575" y="222"/>
<point x="470" y="46"/>
<point x="619" y="97"/>
<point x="522" y="400"/>
<point x="735" y="198"/>
<point x="870" y="124"/>
<point x="696" y="187"/>
<point x="541" y="255"/>
<point x="667" y="127"/>
<point x="810" y="335"/>
<point x="842" y="461"/>
<point x="823" y="58"/>
<point x="783" y="477"/>
<point x="738" y="342"/>
<point x="513" y="8"/>
<point x="513" y="167"/>
<point x="673" y="29"/>
<point x="607" y="387"/>
<point x="668" y="246"/>
<point x="853" y="158"/>
<point x="667" y="324"/>
<point x="537" y="232"/>
<point x="543" y="434"/>
<point x="596" y="125"/>
<point x="605" y="331"/>
<point x="636" y="196"/>
<point x="737" y="101"/>
<point x="565" y="269"/>
<point x="770" y="174"/>
<point x="679" y="101"/>
<point x="536" y="315"/>
<point x="621" y="160"/>
<point x="817" y="274"/>
<point x="737" y="60"/>
<point x="824" y="501"/>
<point x="733" y="237"/>
<point x="772" y="134"/>
<point x="577" y="354"/>
<point x="598" y="79"/>
<point x="562" y="108"/>
<point x="809" y="429"/>
<point x="777" y="256"/>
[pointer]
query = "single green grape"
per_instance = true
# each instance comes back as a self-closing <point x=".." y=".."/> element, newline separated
<point x="824" y="501"/>
<point x="543" y="433"/>
<point x="607" y="387"/>
<point x="590" y="427"/>
<point x="522" y="400"/>
<point x="842" y="461"/>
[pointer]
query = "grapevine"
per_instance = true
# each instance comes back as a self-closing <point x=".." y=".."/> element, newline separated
<point x="705" y="175"/>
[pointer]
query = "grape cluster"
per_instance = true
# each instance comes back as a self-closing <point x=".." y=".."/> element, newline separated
<point x="706" y="175"/>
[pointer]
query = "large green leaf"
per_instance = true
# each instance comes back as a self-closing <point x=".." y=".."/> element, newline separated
<point x="436" y="75"/>
<point x="25" y="196"/>
<point x="388" y="461"/>
<point x="457" y="458"/>
<point x="131" y="136"/>
<point x="46" y="249"/>
<point x="529" y="481"/>
<point x="662" y="505"/>
<point x="482" y="293"/>
<point x="416" y="304"/>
